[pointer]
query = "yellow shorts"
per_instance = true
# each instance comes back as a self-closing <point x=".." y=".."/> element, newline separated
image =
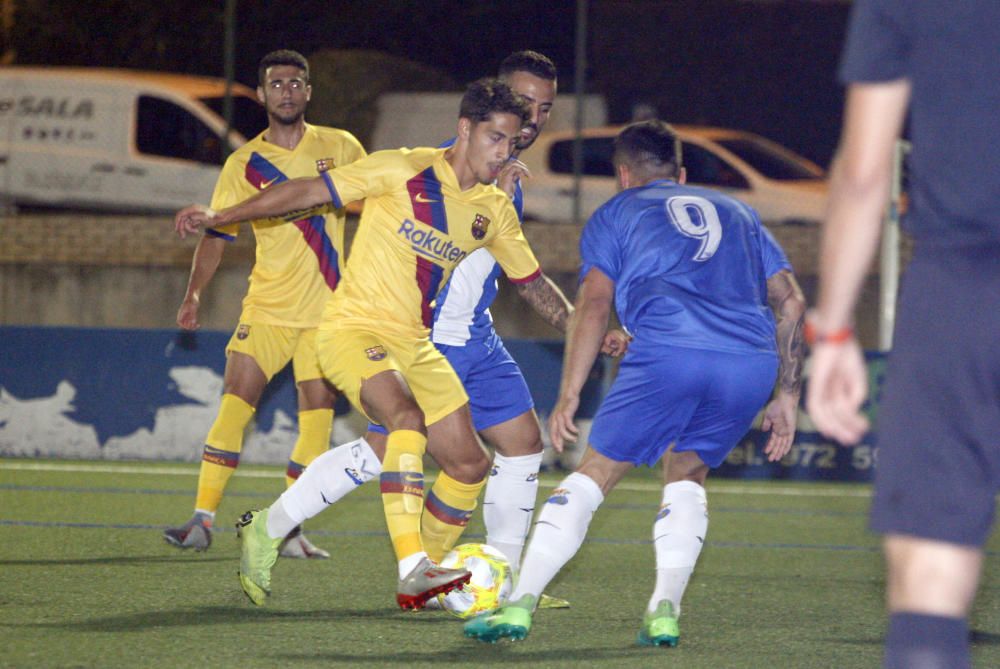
<point x="348" y="356"/>
<point x="272" y="346"/>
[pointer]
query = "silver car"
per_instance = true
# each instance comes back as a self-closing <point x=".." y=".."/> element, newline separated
<point x="783" y="187"/>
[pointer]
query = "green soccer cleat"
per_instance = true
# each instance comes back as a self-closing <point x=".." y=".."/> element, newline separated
<point x="660" y="628"/>
<point x="550" y="602"/>
<point x="509" y="622"/>
<point x="259" y="553"/>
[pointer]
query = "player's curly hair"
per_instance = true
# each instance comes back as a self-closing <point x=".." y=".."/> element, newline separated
<point x="650" y="145"/>
<point x="528" y="61"/>
<point x="282" y="57"/>
<point x="492" y="96"/>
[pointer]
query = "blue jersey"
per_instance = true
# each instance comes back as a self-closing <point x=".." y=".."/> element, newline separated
<point x="690" y="267"/>
<point x="462" y="308"/>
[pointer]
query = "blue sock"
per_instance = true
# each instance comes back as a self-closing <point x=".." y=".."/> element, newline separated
<point x="917" y="641"/>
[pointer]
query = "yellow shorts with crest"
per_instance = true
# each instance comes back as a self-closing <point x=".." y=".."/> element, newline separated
<point x="272" y="346"/>
<point x="348" y="356"/>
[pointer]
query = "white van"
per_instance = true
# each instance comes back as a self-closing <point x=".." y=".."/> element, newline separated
<point x="116" y="140"/>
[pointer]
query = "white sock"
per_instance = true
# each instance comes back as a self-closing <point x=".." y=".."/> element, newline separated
<point x="559" y="532"/>
<point x="327" y="478"/>
<point x="509" y="503"/>
<point x="678" y="535"/>
<point x="409" y="563"/>
<point x="279" y="524"/>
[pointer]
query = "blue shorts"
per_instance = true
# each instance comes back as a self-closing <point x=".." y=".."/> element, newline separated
<point x="939" y="419"/>
<point x="705" y="401"/>
<point x="494" y="383"/>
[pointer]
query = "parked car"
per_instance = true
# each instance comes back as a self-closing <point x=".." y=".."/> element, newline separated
<point x="116" y="140"/>
<point x="782" y="186"/>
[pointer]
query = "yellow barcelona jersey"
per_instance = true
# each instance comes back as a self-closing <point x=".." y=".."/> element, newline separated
<point x="416" y="227"/>
<point x="298" y="261"/>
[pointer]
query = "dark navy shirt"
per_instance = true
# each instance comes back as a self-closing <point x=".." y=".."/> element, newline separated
<point x="950" y="53"/>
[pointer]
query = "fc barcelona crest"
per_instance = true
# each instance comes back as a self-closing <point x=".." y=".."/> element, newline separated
<point x="325" y="164"/>
<point x="242" y="332"/>
<point x="479" y="226"/>
<point x="375" y="353"/>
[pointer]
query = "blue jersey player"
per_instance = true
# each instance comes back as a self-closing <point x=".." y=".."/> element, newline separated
<point x="694" y="277"/>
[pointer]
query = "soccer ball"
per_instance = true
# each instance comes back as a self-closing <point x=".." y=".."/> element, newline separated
<point x="489" y="587"/>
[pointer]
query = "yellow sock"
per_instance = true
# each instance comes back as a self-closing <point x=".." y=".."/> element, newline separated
<point x="222" y="451"/>
<point x="402" y="484"/>
<point x="446" y="513"/>
<point x="315" y="427"/>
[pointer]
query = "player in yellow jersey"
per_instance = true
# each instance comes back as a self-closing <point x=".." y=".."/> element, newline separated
<point x="425" y="210"/>
<point x="297" y="267"/>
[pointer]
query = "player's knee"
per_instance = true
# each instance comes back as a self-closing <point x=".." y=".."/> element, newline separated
<point x="405" y="418"/>
<point x="519" y="449"/>
<point x="472" y="469"/>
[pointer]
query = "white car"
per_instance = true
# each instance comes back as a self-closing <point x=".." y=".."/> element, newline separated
<point x="782" y="186"/>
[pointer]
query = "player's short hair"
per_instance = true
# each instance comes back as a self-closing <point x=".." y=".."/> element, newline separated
<point x="492" y="96"/>
<point x="528" y="61"/>
<point x="282" y="57"/>
<point x="651" y="145"/>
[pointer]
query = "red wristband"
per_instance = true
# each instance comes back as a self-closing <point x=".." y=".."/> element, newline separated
<point x="813" y="336"/>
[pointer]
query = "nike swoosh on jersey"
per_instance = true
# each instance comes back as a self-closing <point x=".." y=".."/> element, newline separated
<point x="265" y="184"/>
<point x="420" y="197"/>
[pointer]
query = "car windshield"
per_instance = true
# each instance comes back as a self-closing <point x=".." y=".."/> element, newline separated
<point x="772" y="164"/>
<point x="249" y="117"/>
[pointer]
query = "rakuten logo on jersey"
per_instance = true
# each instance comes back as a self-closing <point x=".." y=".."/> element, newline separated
<point x="428" y="242"/>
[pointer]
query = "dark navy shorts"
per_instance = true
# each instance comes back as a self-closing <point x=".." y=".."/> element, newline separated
<point x="939" y="423"/>
<point x="705" y="401"/>
<point x="494" y="383"/>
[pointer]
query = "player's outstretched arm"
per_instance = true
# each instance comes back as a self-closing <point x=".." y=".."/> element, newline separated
<point x="547" y="300"/>
<point x="289" y="196"/>
<point x="786" y="299"/>
<point x="193" y="217"/>
<point x="584" y="339"/>
<point x="204" y="263"/>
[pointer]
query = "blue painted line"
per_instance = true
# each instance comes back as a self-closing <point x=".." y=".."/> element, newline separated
<point x="118" y="491"/>
<point x="741" y="509"/>
<point x="478" y="537"/>
<point x="622" y="507"/>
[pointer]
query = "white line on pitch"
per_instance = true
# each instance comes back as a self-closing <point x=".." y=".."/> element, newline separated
<point x="717" y="487"/>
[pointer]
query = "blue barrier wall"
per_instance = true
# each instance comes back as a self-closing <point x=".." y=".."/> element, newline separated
<point x="153" y="394"/>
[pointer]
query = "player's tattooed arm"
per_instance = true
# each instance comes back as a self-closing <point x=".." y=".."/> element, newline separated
<point x="786" y="299"/>
<point x="547" y="300"/>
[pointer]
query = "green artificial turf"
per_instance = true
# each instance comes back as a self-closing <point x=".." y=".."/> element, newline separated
<point x="789" y="577"/>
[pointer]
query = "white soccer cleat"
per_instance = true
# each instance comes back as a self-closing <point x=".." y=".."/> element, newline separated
<point x="296" y="546"/>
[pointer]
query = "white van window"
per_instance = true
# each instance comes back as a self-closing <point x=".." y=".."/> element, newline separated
<point x="249" y="117"/>
<point x="166" y="129"/>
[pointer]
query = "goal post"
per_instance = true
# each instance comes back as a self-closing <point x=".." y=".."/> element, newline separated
<point x="890" y="253"/>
